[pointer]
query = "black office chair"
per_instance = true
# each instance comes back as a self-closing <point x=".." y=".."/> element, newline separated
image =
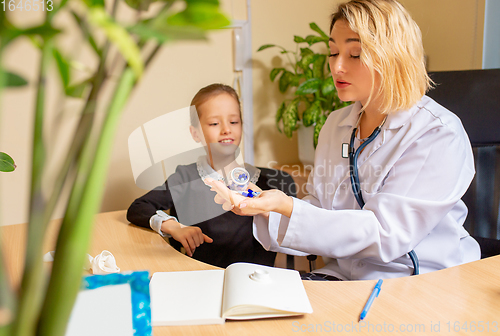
<point x="474" y="95"/>
<point x="278" y="179"/>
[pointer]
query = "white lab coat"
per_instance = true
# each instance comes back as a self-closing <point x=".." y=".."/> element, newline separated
<point x="412" y="177"/>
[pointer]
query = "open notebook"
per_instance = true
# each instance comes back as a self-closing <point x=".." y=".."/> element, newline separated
<point x="242" y="291"/>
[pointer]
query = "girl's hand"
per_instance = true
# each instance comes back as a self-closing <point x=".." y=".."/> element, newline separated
<point x="189" y="236"/>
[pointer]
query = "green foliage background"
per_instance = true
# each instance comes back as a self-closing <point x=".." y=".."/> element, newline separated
<point x="309" y="73"/>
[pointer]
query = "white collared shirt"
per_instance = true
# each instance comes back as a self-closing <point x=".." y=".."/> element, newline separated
<point x="412" y="178"/>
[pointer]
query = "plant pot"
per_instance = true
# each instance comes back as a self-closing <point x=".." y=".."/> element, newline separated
<point x="306" y="145"/>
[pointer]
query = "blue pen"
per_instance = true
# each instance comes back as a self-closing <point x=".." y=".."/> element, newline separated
<point x="373" y="295"/>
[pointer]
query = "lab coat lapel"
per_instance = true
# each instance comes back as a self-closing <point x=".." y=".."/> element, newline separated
<point x="394" y="121"/>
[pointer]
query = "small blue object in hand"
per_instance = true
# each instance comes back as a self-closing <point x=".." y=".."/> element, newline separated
<point x="247" y="193"/>
<point x="250" y="193"/>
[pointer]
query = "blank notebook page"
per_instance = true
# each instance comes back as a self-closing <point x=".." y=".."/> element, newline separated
<point x="104" y="311"/>
<point x="177" y="298"/>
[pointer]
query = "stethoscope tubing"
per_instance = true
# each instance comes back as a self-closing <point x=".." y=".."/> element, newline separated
<point x="354" y="176"/>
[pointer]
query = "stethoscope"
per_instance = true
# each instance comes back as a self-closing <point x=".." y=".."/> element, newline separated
<point x="353" y="170"/>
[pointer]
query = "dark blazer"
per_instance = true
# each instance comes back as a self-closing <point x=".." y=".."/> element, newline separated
<point x="192" y="203"/>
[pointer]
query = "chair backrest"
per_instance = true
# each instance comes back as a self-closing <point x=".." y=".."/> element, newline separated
<point x="474" y="96"/>
<point x="279" y="179"/>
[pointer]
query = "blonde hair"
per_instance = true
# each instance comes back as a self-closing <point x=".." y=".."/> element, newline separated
<point x="206" y="93"/>
<point x="392" y="47"/>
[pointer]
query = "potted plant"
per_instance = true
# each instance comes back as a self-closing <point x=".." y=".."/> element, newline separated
<point x="42" y="304"/>
<point x="307" y="77"/>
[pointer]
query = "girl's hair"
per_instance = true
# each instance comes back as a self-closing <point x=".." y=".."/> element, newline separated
<point x="391" y="44"/>
<point x="206" y="93"/>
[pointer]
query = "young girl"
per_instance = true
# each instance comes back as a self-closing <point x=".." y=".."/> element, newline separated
<point x="414" y="164"/>
<point x="207" y="233"/>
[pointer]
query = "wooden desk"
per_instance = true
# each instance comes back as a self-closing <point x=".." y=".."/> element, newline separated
<point x="451" y="299"/>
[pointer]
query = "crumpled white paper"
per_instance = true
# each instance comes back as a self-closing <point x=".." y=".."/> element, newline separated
<point x="103" y="263"/>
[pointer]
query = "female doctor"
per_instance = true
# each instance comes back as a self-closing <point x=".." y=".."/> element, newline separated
<point x="390" y="170"/>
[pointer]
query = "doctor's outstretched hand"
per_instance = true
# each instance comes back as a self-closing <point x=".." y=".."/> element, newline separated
<point x="269" y="200"/>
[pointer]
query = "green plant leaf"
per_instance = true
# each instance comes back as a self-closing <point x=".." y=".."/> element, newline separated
<point x="327" y="87"/>
<point x="317" y="128"/>
<point x="119" y="37"/>
<point x="94" y="3"/>
<point x="290" y="118"/>
<point x="319" y="66"/>
<point x="279" y="115"/>
<point x="311" y="113"/>
<point x="285" y="80"/>
<point x="86" y="33"/>
<point x="63" y="67"/>
<point x="275" y="72"/>
<point x="307" y="60"/>
<point x="312" y="39"/>
<point x="203" y="15"/>
<point x="298" y="39"/>
<point x="305" y="51"/>
<point x="6" y="163"/>
<point x="146" y="32"/>
<point x="318" y="30"/>
<point x="309" y="86"/>
<point x="308" y="73"/>
<point x="7" y="298"/>
<point x="45" y="30"/>
<point x="295" y="80"/>
<point x="9" y="34"/>
<point x="78" y="90"/>
<point x="265" y="46"/>
<point x="327" y="104"/>
<point x="14" y="80"/>
<point x="164" y="33"/>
